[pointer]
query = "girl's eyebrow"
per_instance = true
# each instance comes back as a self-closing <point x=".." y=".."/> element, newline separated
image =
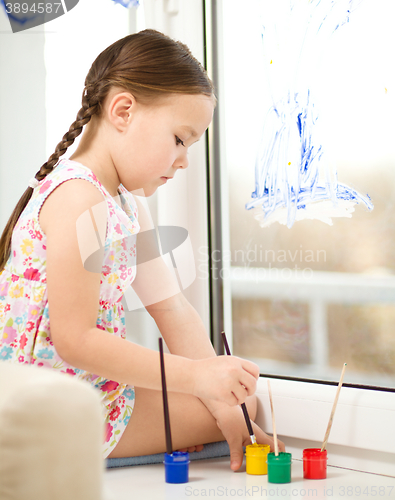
<point x="191" y="130"/>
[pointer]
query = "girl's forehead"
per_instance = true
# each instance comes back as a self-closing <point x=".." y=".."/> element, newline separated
<point x="189" y="108"/>
<point x="183" y="99"/>
<point x="196" y="102"/>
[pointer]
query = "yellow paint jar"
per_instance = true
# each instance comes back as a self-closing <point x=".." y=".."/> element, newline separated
<point x="256" y="458"/>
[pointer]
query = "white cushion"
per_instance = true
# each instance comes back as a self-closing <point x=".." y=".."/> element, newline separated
<point x="51" y="431"/>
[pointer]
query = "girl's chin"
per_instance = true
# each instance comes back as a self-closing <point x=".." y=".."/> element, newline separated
<point x="150" y="191"/>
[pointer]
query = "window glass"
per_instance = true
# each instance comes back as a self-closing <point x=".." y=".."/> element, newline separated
<point x="309" y="91"/>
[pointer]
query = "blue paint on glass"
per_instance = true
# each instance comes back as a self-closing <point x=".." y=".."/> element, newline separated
<point x="290" y="172"/>
<point x="128" y="3"/>
<point x="21" y="18"/>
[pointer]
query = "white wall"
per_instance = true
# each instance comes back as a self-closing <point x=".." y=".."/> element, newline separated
<point x="22" y="111"/>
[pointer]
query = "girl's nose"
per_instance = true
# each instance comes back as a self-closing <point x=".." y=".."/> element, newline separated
<point x="182" y="160"/>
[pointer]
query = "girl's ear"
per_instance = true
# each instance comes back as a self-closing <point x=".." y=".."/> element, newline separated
<point x="120" y="109"/>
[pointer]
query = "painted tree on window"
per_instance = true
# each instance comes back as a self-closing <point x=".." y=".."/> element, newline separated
<point x="293" y="180"/>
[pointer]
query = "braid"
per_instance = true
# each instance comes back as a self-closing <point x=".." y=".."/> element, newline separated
<point x="83" y="117"/>
<point x="89" y="108"/>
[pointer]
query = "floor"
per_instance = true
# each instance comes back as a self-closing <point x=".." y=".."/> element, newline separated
<point x="212" y="478"/>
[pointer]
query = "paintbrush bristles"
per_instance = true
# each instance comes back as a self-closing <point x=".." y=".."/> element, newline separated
<point x="328" y="430"/>
<point x="169" y="446"/>
<point x="273" y="420"/>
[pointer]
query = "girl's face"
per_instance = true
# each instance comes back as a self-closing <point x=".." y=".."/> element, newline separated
<point x="155" y="142"/>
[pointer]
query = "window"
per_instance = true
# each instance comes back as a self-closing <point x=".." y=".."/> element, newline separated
<point x="302" y="300"/>
<point x="289" y="324"/>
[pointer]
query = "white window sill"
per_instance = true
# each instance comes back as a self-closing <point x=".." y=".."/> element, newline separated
<point x="362" y="435"/>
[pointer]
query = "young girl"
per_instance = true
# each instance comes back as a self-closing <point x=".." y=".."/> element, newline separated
<point x="146" y="101"/>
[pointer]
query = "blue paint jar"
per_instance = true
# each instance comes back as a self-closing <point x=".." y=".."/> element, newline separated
<point x="176" y="467"/>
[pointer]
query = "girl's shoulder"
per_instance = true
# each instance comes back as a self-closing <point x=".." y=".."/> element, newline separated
<point x="66" y="170"/>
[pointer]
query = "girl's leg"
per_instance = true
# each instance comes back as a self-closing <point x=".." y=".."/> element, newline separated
<point x="191" y="424"/>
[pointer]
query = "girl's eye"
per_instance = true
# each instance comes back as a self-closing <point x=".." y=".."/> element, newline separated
<point x="179" y="141"/>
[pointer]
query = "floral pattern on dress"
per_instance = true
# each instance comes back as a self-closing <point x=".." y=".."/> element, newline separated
<point x="25" y="334"/>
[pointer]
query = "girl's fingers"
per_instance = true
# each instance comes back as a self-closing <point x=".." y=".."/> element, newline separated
<point x="233" y="399"/>
<point x="246" y="387"/>
<point x="250" y="368"/>
<point x="241" y="393"/>
<point x="236" y="452"/>
<point x="248" y="383"/>
<point x="224" y="378"/>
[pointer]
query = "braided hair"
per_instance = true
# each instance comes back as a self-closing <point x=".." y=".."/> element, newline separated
<point x="149" y="65"/>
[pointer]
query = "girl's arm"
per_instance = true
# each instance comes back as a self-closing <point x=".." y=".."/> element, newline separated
<point x="158" y="290"/>
<point x="73" y="297"/>
<point x="185" y="335"/>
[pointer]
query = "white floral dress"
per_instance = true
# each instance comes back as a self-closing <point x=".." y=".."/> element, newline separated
<point x="25" y="333"/>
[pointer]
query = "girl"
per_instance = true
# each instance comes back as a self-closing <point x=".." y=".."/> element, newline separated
<point x="146" y="101"/>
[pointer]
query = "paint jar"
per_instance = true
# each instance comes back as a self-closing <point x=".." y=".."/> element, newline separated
<point x="256" y="456"/>
<point x="314" y="463"/>
<point x="279" y="467"/>
<point x="176" y="467"/>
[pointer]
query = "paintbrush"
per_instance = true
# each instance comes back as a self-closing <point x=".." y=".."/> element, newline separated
<point x="169" y="446"/>
<point x="273" y="420"/>
<point x="177" y="462"/>
<point x="243" y="406"/>
<point x="328" y="430"/>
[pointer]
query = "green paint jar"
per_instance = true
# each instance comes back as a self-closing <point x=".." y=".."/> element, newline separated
<point x="279" y="467"/>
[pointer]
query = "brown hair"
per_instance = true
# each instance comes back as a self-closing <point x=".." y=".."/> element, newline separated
<point x="149" y="65"/>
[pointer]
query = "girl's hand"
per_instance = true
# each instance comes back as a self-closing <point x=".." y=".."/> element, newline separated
<point x="233" y="426"/>
<point x="224" y="378"/>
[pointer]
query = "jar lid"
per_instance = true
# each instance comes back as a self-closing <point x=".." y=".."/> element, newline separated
<point x="177" y="457"/>
<point x="314" y="453"/>
<point x="257" y="450"/>
<point x="281" y="459"/>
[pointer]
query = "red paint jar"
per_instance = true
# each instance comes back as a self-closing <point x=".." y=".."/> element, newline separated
<point x="314" y="463"/>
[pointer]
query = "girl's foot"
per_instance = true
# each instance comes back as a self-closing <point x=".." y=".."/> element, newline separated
<point x="198" y="447"/>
